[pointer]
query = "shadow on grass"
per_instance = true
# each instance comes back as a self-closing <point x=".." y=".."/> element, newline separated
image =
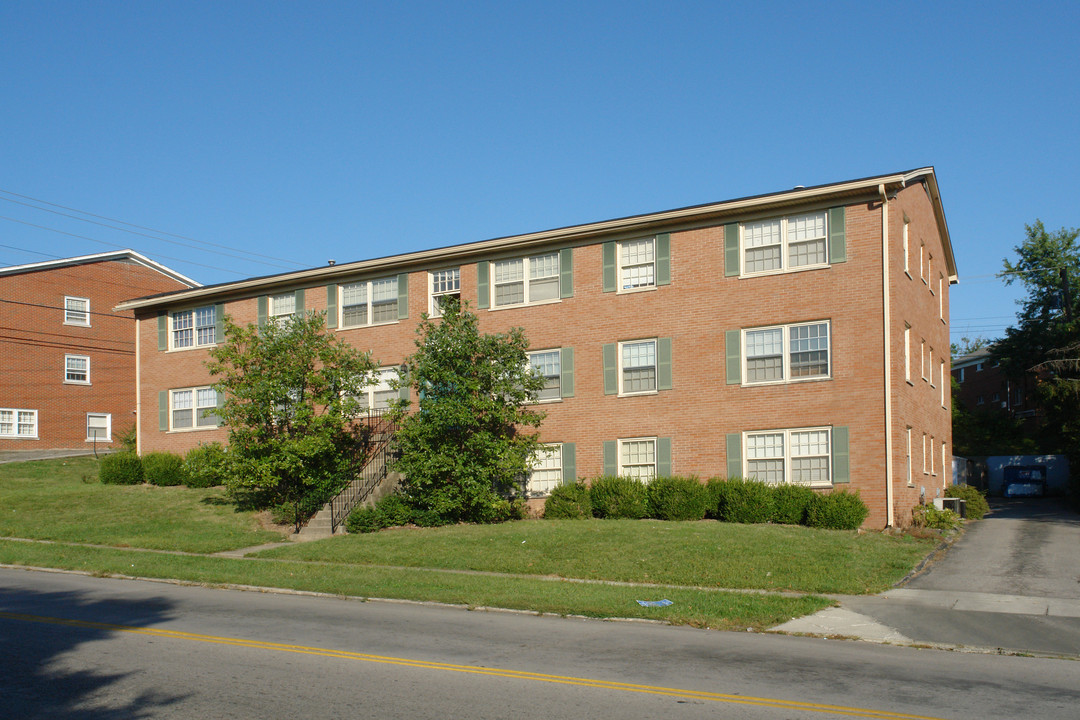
<point x="45" y="673"/>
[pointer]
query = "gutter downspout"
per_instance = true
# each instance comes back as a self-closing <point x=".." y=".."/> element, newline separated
<point x="886" y="309"/>
<point x="138" y="392"/>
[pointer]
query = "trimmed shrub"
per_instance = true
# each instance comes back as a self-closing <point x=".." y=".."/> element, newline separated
<point x="714" y="490"/>
<point x="975" y="506"/>
<point x="394" y="511"/>
<point x="121" y="468"/>
<point x="364" y="520"/>
<point x="569" y="502"/>
<point x="928" y="516"/>
<point x="205" y="466"/>
<point x="744" y="501"/>
<point x="837" y="511"/>
<point x="677" y="498"/>
<point x="790" y="503"/>
<point x="619" y="497"/>
<point x="164" y="469"/>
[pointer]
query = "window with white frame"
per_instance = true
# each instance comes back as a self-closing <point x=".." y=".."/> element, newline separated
<point x="16" y="423"/>
<point x="547" y="470"/>
<point x="98" y="427"/>
<point x="929" y="271"/>
<point x="801" y="457"/>
<point x="907" y="352"/>
<point x="910" y="466"/>
<point x="637" y="367"/>
<point x="787" y="243"/>
<point x="922" y="358"/>
<point x="941" y="377"/>
<point x="548" y="364"/>
<point x="907" y="262"/>
<point x="196" y="327"/>
<point x="941" y="297"/>
<point x="369" y="302"/>
<point x="77" y="311"/>
<point x="946" y="466"/>
<point x="637" y="264"/>
<point x="377" y="396"/>
<point x="192" y="408"/>
<point x="77" y="369"/>
<point x="925" y="456"/>
<point x="526" y="280"/>
<point x="637" y="458"/>
<point x="922" y="261"/>
<point x="930" y="364"/>
<point x="930" y="452"/>
<point x="786" y="353"/>
<point x="445" y="285"/>
<point x="282" y="305"/>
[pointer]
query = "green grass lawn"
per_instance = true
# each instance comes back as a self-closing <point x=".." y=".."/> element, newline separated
<point x="61" y="500"/>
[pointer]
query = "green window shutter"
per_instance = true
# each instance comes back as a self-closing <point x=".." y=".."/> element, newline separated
<point x="733" y="352"/>
<point x="837" y="241"/>
<point x="300" y="301"/>
<point x="731" y="249"/>
<point x="610" y="284"/>
<point x="663" y="457"/>
<point x="163" y="410"/>
<point x="483" y="289"/>
<point x="219" y="323"/>
<point x="262" y="303"/>
<point x="663" y="259"/>
<point x="841" y="462"/>
<point x="162" y="331"/>
<point x="611" y="457"/>
<point x="567" y="369"/>
<point x="403" y="296"/>
<point x="331" y="306"/>
<point x="734" y="455"/>
<point x="663" y="364"/>
<point x="566" y="272"/>
<point x="611" y="370"/>
<point x="569" y="463"/>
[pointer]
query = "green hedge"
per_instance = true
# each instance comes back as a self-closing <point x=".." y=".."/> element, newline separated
<point x="744" y="501"/>
<point x="791" y="503"/>
<point x="569" y="502"/>
<point x="975" y="506"/>
<point x="164" y="469"/>
<point x="205" y="466"/>
<point x="677" y="498"/>
<point x="121" y="468"/>
<point x="619" y="497"/>
<point x="837" y="511"/>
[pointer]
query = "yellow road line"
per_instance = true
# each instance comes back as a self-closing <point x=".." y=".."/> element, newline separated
<point x="474" y="670"/>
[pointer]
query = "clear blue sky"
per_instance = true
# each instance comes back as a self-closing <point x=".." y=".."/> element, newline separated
<point x="350" y="130"/>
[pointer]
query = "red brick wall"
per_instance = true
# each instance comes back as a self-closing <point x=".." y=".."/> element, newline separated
<point x="34" y="341"/>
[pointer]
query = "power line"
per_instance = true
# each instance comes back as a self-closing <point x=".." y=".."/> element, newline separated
<point x="52" y="345"/>
<point x="57" y="307"/>
<point x="62" y="335"/>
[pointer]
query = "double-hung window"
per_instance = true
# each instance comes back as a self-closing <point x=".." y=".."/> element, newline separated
<point x="526" y="280"/>
<point x="194" y="328"/>
<point x="637" y="367"/>
<point x="548" y="364"/>
<point x="445" y="286"/>
<point x="547" y="470"/>
<point x="637" y="264"/>
<point x="193" y="408"/>
<point x="369" y="302"/>
<point x="637" y="458"/>
<point x="77" y="369"/>
<point x="283" y="305"/>
<point x="786" y="353"/>
<point x="98" y="427"/>
<point x="377" y="396"/>
<point x="800" y="457"/>
<point x="15" y="423"/>
<point x="77" y="311"/>
<point x="787" y="243"/>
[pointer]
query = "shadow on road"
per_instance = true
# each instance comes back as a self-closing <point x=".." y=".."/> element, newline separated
<point x="37" y="680"/>
<point x="1037" y="509"/>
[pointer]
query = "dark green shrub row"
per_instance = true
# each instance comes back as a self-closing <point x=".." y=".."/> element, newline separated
<point x="204" y="466"/>
<point x="121" y="468"/>
<point x="390" y="511"/>
<point x="975" y="506"/>
<point x="164" y="469"/>
<point x="686" y="498"/>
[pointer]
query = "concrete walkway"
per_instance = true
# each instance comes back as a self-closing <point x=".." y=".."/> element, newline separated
<point x="12" y="456"/>
<point x="1010" y="584"/>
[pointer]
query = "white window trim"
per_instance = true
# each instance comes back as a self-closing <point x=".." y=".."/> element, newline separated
<point x="369" y="303"/>
<point x="381" y="384"/>
<point x="784" y="246"/>
<point x="548" y="449"/>
<point x="656" y="366"/>
<point x="945" y="464"/>
<point x="941" y="375"/>
<point x="527" y="281"/>
<point x="787" y="432"/>
<point x="557" y="351"/>
<point x="931" y="453"/>
<point x="195" y="344"/>
<point x="85" y="312"/>
<point x="619" y="267"/>
<point x="907" y="354"/>
<point x="619" y="456"/>
<point x="941" y="297"/>
<point x="15" y="424"/>
<point x="108" y="427"/>
<point x="195" y="427"/>
<point x="930" y="365"/>
<point x="907" y="252"/>
<point x="922" y="358"/>
<point x="924" y="455"/>
<point x="433" y="307"/>
<point x="270" y="312"/>
<point x="786" y="354"/>
<point x="910" y="461"/>
<point x="76" y="357"/>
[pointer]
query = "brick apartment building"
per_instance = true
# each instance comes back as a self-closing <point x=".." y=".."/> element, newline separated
<point x="799" y="336"/>
<point x="68" y="376"/>
<point x="984" y="387"/>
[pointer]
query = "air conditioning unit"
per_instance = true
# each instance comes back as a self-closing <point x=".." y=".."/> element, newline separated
<point x="957" y="505"/>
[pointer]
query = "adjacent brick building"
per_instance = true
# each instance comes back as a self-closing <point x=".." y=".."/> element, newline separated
<point x="983" y="387"/>
<point x="800" y="336"/>
<point x="68" y="357"/>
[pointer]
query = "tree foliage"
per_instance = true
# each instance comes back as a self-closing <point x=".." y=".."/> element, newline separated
<point x="469" y="443"/>
<point x="290" y="394"/>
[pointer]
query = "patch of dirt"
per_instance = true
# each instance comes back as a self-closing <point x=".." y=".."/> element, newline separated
<point x="266" y="522"/>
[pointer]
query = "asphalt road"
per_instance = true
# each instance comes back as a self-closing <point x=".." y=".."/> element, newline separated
<point x="81" y="647"/>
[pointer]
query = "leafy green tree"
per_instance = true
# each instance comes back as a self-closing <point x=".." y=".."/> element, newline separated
<point x="469" y="444"/>
<point x="290" y="394"/>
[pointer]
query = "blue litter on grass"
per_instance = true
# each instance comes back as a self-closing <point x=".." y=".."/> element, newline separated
<point x="654" y="603"/>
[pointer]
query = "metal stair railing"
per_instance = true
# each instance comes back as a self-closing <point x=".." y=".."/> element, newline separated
<point x="376" y="468"/>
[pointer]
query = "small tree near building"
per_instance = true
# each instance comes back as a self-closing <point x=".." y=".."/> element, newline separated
<point x="290" y="394"/>
<point x="469" y="445"/>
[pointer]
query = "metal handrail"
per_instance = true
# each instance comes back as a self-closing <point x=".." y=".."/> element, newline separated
<point x="376" y="468"/>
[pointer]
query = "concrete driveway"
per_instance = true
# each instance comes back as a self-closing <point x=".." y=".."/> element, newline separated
<point x="1011" y="583"/>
